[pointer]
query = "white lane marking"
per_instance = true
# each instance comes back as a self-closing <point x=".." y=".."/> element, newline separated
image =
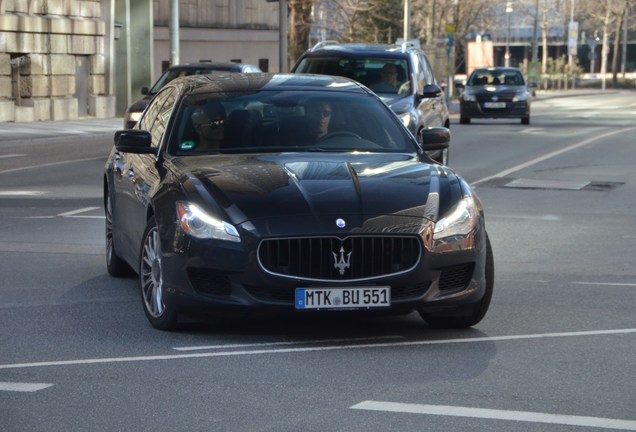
<point x="311" y="349"/>
<point x="11" y="156"/>
<point x="550" y="155"/>
<point x="532" y="130"/>
<point x="23" y="387"/>
<point x="49" y="164"/>
<point x="78" y="211"/>
<point x="548" y="217"/>
<point x="606" y="284"/>
<point x="522" y="416"/>
<point x="21" y="193"/>
<point x="319" y="341"/>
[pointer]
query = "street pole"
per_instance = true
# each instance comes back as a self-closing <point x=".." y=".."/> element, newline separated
<point x="407" y="20"/>
<point x="570" y="56"/>
<point x="174" y="32"/>
<point x="282" y="36"/>
<point x="507" y="55"/>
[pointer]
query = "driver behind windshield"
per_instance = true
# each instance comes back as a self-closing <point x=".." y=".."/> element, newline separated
<point x="318" y="116"/>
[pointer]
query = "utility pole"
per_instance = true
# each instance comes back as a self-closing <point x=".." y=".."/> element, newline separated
<point x="508" y="13"/>
<point x="174" y="32"/>
<point x="407" y="20"/>
<point x="282" y="36"/>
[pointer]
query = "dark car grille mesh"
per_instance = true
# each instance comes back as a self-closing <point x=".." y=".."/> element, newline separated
<point x="456" y="277"/>
<point x="505" y="97"/>
<point x="208" y="281"/>
<point x="326" y="258"/>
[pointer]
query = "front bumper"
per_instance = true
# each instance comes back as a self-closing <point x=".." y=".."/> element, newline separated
<point x="477" y="110"/>
<point x="450" y="274"/>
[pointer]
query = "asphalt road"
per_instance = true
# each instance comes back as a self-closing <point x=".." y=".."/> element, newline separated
<point x="556" y="352"/>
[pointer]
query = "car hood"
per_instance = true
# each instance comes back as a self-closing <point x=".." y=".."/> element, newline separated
<point x="140" y="105"/>
<point x="398" y="103"/>
<point x="298" y="186"/>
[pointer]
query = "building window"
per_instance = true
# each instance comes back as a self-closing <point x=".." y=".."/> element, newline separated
<point x="165" y="65"/>
<point x="236" y="60"/>
<point x="263" y="64"/>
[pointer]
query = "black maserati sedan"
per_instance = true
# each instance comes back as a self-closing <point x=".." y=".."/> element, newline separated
<point x="499" y="93"/>
<point x="301" y="194"/>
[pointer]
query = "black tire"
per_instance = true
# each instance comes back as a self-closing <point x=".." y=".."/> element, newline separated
<point x="477" y="311"/>
<point x="160" y="315"/>
<point x="464" y="120"/>
<point x="114" y="264"/>
<point x="525" y="120"/>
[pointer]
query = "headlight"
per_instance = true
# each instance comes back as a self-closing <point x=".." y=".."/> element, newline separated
<point x="406" y="119"/>
<point x="469" y="97"/>
<point x="197" y="223"/>
<point x="461" y="220"/>
<point x="520" y="97"/>
<point x="134" y="116"/>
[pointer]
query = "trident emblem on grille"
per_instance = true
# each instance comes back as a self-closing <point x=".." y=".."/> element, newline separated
<point x="340" y="263"/>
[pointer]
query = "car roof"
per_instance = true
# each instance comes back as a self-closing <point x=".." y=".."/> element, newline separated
<point x="230" y="67"/>
<point x="360" y="50"/>
<point x="269" y="81"/>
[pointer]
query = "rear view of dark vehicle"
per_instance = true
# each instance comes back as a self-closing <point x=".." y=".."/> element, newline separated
<point x="495" y="93"/>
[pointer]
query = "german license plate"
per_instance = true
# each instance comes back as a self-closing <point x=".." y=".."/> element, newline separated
<point x="343" y="298"/>
<point x="494" y="104"/>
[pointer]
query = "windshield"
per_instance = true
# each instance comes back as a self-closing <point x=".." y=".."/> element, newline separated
<point x="382" y="75"/>
<point x="495" y="77"/>
<point x="287" y="121"/>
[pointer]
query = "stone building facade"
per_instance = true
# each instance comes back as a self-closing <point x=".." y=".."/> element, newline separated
<point x="68" y="59"/>
<point x="52" y="60"/>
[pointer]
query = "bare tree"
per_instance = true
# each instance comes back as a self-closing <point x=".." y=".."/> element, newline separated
<point x="299" y="27"/>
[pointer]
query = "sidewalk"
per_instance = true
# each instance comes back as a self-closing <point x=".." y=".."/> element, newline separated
<point x="12" y="131"/>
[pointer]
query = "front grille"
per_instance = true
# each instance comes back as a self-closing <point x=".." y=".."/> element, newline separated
<point x="334" y="259"/>
<point x="208" y="281"/>
<point x="456" y="277"/>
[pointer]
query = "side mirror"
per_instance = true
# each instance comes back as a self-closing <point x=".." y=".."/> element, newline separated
<point x="432" y="91"/>
<point x="437" y="138"/>
<point x="145" y="90"/>
<point x="134" y="141"/>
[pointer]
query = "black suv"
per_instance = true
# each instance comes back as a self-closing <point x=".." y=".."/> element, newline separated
<point x="399" y="74"/>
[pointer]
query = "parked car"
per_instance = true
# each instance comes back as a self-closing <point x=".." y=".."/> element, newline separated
<point x="293" y="194"/>
<point x="500" y="92"/>
<point x="400" y="74"/>
<point x="134" y="111"/>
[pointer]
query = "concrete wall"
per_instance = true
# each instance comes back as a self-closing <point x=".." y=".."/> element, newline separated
<point x="42" y="44"/>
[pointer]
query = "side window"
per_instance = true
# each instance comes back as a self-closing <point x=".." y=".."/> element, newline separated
<point x="428" y="72"/>
<point x="420" y="73"/>
<point x="157" y="115"/>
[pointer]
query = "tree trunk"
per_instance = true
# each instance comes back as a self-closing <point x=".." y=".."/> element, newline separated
<point x="299" y="27"/>
<point x="617" y="44"/>
<point x="605" y="49"/>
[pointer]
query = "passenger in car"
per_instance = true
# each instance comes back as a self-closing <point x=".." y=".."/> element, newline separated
<point x="209" y="124"/>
